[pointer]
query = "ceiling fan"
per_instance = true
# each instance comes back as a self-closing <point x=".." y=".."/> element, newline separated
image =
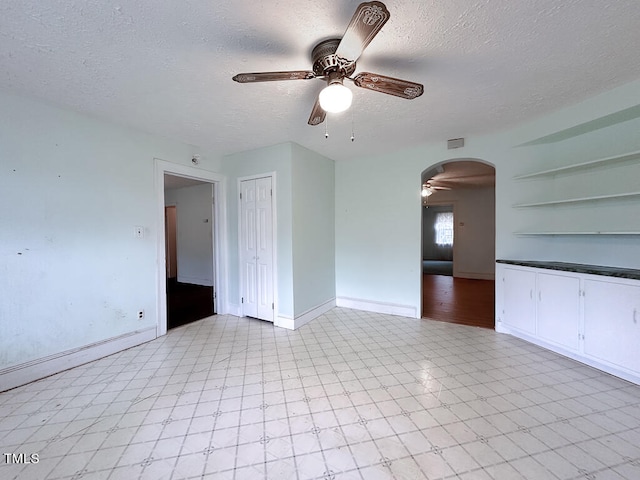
<point x="335" y="60"/>
<point x="429" y="188"/>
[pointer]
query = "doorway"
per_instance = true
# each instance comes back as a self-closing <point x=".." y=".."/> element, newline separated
<point x="216" y="225"/>
<point x="458" y="242"/>
<point x="189" y="219"/>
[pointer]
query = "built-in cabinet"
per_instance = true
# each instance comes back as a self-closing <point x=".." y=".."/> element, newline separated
<point x="591" y="318"/>
<point x="612" y="322"/>
<point x="558" y="309"/>
<point x="519" y="310"/>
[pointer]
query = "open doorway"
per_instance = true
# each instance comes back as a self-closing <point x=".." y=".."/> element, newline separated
<point x="217" y="225"/>
<point x="189" y="219"/>
<point x="458" y="242"/>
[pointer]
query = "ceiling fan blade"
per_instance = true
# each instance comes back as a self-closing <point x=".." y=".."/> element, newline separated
<point x="317" y="114"/>
<point x="274" y="76"/>
<point x="389" y="85"/>
<point x="365" y="24"/>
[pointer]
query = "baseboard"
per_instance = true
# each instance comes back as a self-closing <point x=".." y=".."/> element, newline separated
<point x="203" y="282"/>
<point x="611" y="369"/>
<point x="377" y="307"/>
<point x="475" y="275"/>
<point x="284" y="322"/>
<point x="28" y="372"/>
<point x="314" y="312"/>
<point x="233" y="309"/>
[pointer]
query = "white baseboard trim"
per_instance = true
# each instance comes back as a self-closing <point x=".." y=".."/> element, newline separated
<point x="284" y="322"/>
<point x="314" y="312"/>
<point x="305" y="317"/>
<point x="17" y="375"/>
<point x="233" y="309"/>
<point x="625" y="374"/>
<point x="377" y="307"/>
<point x="205" y="282"/>
<point x="475" y="275"/>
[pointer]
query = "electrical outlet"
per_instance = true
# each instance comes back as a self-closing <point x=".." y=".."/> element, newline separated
<point x="140" y="314"/>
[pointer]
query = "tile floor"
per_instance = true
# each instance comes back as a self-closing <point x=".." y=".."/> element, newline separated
<point x="352" y="395"/>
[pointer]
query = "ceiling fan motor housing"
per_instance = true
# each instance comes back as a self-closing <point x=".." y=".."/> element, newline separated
<point x="327" y="64"/>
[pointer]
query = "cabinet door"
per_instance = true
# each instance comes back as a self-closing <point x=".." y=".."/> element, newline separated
<point x="612" y="323"/>
<point x="558" y="298"/>
<point x="519" y="303"/>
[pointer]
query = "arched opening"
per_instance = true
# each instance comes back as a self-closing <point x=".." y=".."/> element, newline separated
<point x="458" y="242"/>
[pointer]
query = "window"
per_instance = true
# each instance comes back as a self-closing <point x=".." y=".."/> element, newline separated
<point x="444" y="228"/>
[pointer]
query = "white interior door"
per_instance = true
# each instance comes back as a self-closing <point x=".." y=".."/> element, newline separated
<point x="264" y="248"/>
<point x="256" y="248"/>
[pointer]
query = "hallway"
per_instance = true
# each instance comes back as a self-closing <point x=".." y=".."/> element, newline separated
<point x="459" y="300"/>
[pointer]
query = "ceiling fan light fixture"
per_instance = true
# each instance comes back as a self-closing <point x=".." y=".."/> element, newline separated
<point x="335" y="98"/>
<point x="426" y="191"/>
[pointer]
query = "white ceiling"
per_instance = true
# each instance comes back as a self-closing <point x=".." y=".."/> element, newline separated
<point x="165" y="66"/>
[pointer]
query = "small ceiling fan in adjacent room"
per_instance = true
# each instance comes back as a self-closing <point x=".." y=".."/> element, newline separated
<point x="334" y="60"/>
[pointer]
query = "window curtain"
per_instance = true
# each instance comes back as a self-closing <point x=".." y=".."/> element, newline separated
<point x="443" y="226"/>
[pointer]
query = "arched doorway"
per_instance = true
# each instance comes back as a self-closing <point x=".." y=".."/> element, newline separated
<point x="458" y="242"/>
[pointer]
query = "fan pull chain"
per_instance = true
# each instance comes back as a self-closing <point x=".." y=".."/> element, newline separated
<point x="326" y="127"/>
<point x="352" y="134"/>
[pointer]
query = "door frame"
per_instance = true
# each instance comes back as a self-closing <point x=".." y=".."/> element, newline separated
<point x="274" y="234"/>
<point x="219" y="228"/>
<point x="171" y="258"/>
<point x="455" y="226"/>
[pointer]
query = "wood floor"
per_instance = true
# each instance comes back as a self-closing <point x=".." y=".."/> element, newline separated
<point x="187" y="303"/>
<point x="458" y="300"/>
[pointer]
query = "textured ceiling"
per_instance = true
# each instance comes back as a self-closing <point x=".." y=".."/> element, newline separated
<point x="165" y="66"/>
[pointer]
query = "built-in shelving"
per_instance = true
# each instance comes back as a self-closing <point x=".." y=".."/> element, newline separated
<point x="631" y="159"/>
<point x="627" y="157"/>
<point x="579" y="200"/>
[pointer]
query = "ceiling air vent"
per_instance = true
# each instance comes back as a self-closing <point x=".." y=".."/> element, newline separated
<point x="455" y="143"/>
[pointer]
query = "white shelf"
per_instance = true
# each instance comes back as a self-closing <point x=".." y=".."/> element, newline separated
<point x="577" y="233"/>
<point x="579" y="200"/>
<point x="627" y="157"/>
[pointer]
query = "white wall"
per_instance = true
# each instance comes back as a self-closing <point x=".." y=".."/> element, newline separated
<point x="378" y="236"/>
<point x="266" y="160"/>
<point x="378" y="256"/>
<point x="305" y="248"/>
<point x="474" y="231"/>
<point x="72" y="188"/>
<point x="313" y="229"/>
<point x="194" y="232"/>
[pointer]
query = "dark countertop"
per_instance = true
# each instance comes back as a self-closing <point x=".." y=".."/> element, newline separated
<point x="578" y="268"/>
